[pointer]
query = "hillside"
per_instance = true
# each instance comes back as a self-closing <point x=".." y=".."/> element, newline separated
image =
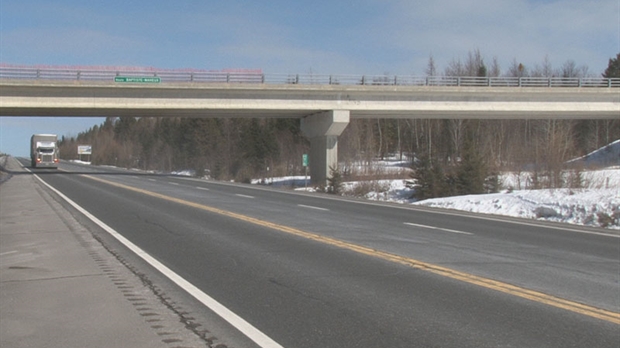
<point x="606" y="156"/>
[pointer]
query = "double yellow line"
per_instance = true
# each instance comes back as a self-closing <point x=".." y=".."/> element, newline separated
<point x="429" y="267"/>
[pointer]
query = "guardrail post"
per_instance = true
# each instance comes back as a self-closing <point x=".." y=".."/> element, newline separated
<point x="458" y="81"/>
<point x="395" y="80"/>
<point x="38" y="73"/>
<point x="227" y="77"/>
<point x="78" y="74"/>
<point x="191" y="77"/>
<point x="520" y="81"/>
<point x="608" y="83"/>
<point x="262" y="78"/>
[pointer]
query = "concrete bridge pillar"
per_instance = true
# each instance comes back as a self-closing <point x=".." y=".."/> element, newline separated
<point x="323" y="130"/>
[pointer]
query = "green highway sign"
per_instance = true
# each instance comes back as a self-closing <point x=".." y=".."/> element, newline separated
<point x="304" y="159"/>
<point x="137" y="79"/>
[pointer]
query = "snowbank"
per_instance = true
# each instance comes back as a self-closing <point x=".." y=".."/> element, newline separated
<point x="590" y="207"/>
<point x="597" y="204"/>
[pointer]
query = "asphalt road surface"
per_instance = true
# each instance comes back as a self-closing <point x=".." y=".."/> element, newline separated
<point x="314" y="270"/>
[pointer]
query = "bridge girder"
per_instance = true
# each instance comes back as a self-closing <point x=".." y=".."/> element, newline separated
<point x="324" y="110"/>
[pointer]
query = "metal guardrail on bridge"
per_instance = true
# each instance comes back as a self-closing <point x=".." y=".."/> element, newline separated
<point x="251" y="76"/>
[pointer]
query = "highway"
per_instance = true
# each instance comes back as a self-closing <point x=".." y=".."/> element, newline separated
<point x="313" y="270"/>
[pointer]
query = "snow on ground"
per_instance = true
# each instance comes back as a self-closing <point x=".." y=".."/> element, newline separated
<point x="590" y="207"/>
<point x="596" y="205"/>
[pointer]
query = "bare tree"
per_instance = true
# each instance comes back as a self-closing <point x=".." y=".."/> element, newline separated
<point x="517" y="69"/>
<point x="431" y="69"/>
<point x="474" y="66"/>
<point x="570" y="69"/>
<point x="544" y="70"/>
<point x="494" y="70"/>
<point x="455" y="68"/>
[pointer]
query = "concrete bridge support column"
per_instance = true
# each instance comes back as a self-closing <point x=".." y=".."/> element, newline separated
<point x="323" y="130"/>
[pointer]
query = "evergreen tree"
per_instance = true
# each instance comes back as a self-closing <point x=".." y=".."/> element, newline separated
<point x="430" y="179"/>
<point x="108" y="124"/>
<point x="123" y="128"/>
<point x="335" y="181"/>
<point x="613" y="69"/>
<point x="492" y="183"/>
<point x="482" y="70"/>
<point x="259" y="147"/>
<point x="471" y="171"/>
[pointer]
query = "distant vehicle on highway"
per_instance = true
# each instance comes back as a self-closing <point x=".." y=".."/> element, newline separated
<point x="44" y="151"/>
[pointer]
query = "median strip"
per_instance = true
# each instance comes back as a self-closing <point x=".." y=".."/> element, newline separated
<point x="506" y="288"/>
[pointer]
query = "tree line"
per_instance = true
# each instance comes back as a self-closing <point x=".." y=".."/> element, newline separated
<point x="451" y="156"/>
<point x="226" y="149"/>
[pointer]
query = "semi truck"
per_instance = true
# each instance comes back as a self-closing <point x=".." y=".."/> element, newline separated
<point x="44" y="151"/>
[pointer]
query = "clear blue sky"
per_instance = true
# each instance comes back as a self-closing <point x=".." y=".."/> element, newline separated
<point x="319" y="36"/>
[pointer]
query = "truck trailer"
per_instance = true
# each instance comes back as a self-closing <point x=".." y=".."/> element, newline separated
<point x="44" y="151"/>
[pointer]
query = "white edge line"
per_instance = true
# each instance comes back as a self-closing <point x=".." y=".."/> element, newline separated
<point x="244" y="196"/>
<point x="246" y="328"/>
<point x="312" y="207"/>
<point x="202" y="188"/>
<point x="437" y="228"/>
<point x="568" y="228"/>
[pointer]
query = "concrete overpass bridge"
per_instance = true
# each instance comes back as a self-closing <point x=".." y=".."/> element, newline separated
<point x="324" y="104"/>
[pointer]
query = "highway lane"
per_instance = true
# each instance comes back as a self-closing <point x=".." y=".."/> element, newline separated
<point x="308" y="293"/>
<point x="569" y="264"/>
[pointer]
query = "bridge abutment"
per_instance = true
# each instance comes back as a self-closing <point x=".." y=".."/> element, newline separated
<point x="323" y="130"/>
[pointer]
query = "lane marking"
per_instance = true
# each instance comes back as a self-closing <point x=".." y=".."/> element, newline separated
<point x="202" y="188"/>
<point x="244" y="196"/>
<point x="241" y="324"/>
<point x="437" y="228"/>
<point x="489" y="217"/>
<point x="312" y="207"/>
<point x="151" y="179"/>
<point x="480" y="216"/>
<point x="174" y="183"/>
<point x="506" y="288"/>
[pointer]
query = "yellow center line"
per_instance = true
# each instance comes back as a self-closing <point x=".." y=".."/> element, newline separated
<point x="506" y="288"/>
